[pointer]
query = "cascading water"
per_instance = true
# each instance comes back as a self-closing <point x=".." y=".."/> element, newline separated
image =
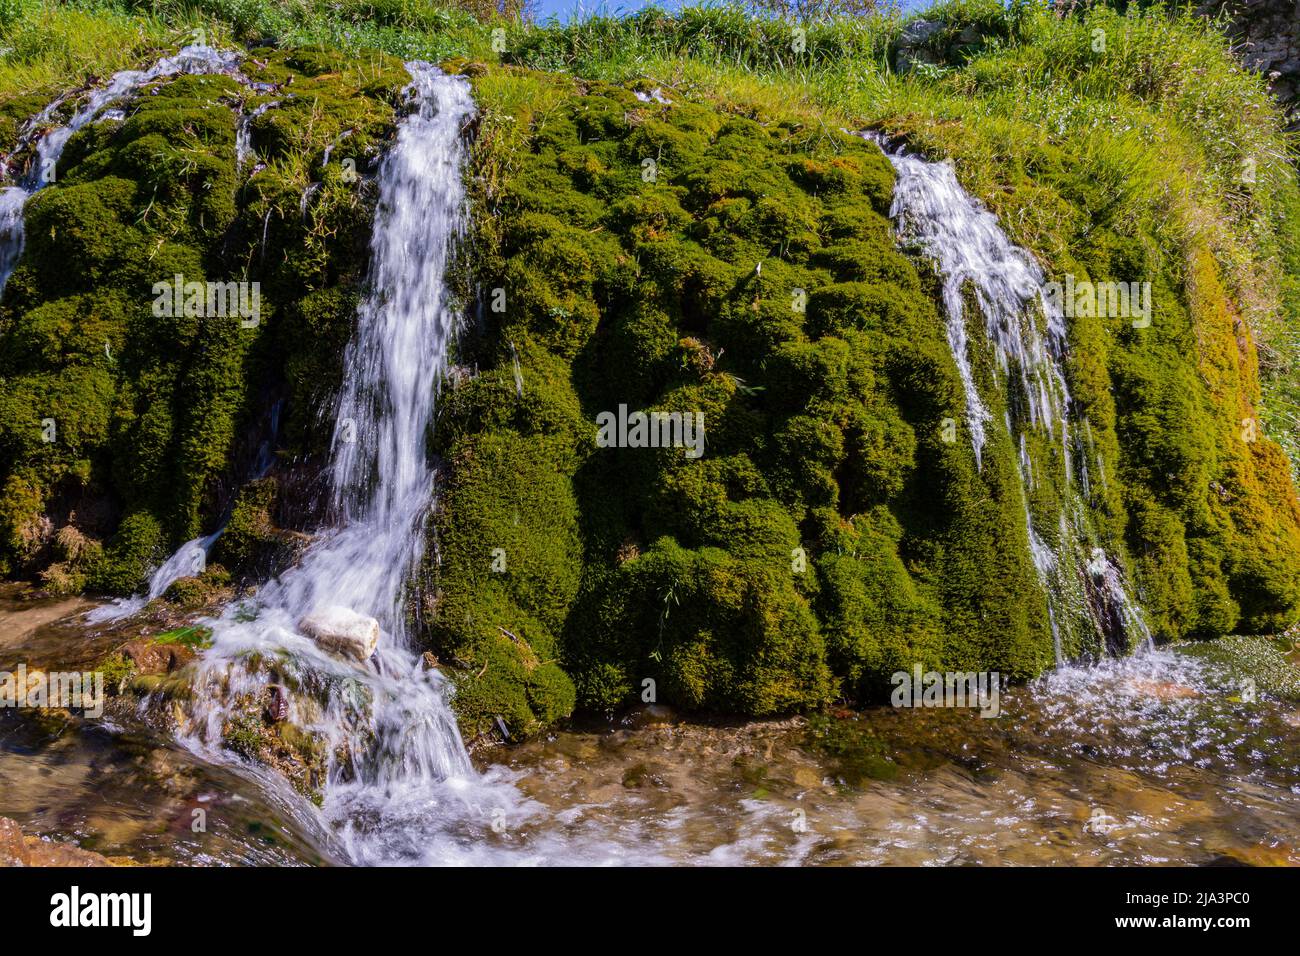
<point x="396" y="769"/>
<point x="50" y="143"/>
<point x="1026" y="332"/>
<point x="189" y="559"/>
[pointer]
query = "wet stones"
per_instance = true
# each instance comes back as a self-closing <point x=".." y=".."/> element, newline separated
<point x="277" y="704"/>
<point x="342" y="631"/>
<point x="151" y="657"/>
<point x="19" y="850"/>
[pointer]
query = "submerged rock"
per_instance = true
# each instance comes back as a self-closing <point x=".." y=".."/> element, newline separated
<point x="19" y="850"/>
<point x="343" y="631"/>
<point x="153" y="656"/>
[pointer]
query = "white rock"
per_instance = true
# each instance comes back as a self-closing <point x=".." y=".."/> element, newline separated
<point x="341" y="630"/>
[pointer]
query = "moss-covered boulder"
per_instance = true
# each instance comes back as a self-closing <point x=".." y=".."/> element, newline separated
<point x="675" y="258"/>
<point x="126" y="428"/>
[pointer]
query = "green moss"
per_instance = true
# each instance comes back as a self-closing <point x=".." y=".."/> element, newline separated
<point x="730" y="257"/>
<point x="192" y="636"/>
<point x="131" y="554"/>
<point x="802" y="557"/>
<point x="118" y="670"/>
<point x="243" y="734"/>
<point x="129" y="426"/>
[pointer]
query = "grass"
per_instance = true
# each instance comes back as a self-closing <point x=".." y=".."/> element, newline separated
<point x="1109" y="144"/>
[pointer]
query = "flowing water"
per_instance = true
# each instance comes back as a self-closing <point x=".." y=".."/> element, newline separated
<point x="1156" y="758"/>
<point x="396" y="764"/>
<point x="1026" y="334"/>
<point x="49" y="143"/>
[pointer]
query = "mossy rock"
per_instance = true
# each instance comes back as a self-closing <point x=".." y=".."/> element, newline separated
<point x="151" y="411"/>
<point x="748" y="273"/>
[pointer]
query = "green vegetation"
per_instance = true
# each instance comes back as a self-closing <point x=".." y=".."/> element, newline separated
<point x="829" y="535"/>
<point x="147" y="411"/>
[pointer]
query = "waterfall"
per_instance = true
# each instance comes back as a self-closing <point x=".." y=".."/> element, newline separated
<point x="244" y="132"/>
<point x="396" y="767"/>
<point x="1027" y="335"/>
<point x="190" y="559"/>
<point x="50" y="144"/>
<point x="187" y="561"/>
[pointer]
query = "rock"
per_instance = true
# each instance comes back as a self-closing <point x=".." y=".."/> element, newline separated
<point x="807" y="777"/>
<point x="914" y="45"/>
<point x="919" y="32"/>
<point x="648" y="715"/>
<point x="639" y="775"/>
<point x="1266" y="34"/>
<point x="277" y="704"/>
<point x="19" y="850"/>
<point x="1160" y="689"/>
<point x="150" y="657"/>
<point x="342" y="631"/>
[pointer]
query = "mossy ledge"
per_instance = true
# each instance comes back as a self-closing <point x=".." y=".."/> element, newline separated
<point x="123" y="434"/>
<point x="827" y="537"/>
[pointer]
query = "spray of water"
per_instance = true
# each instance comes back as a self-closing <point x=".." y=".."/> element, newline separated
<point x="399" y="785"/>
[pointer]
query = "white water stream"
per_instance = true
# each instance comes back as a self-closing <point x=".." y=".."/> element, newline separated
<point x="400" y="787"/>
<point x="1027" y="334"/>
<point x="400" y="782"/>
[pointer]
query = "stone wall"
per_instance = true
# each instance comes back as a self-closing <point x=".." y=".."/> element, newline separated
<point x="1267" y="33"/>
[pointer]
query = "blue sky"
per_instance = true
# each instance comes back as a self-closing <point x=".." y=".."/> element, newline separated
<point x="564" y="9"/>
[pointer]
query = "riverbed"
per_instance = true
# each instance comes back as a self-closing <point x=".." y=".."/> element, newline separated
<point x="1167" y="757"/>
